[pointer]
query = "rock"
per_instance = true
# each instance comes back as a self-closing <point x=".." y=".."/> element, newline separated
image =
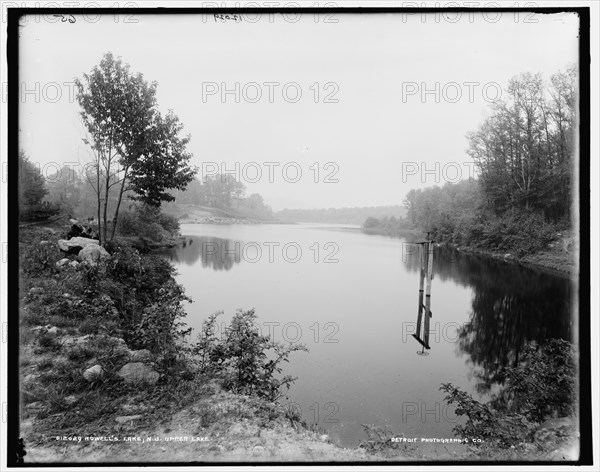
<point x="508" y="255"/>
<point x="93" y="372"/>
<point x="258" y="450"/>
<point x="127" y="419"/>
<point x="62" y="262"/>
<point x="93" y="253"/>
<point x="35" y="406"/>
<point x="27" y="397"/>
<point x="73" y="263"/>
<point x="74" y="245"/>
<point x="133" y="408"/>
<point x="73" y="222"/>
<point x="137" y="372"/>
<point x="143" y="355"/>
<point x="53" y="330"/>
<point x="70" y="399"/>
<point x="29" y="378"/>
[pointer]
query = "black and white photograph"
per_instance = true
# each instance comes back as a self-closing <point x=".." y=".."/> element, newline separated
<point x="299" y="234"/>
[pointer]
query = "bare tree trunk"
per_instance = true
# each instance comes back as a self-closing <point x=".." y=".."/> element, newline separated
<point x="99" y="199"/>
<point x="121" y="191"/>
<point x="107" y="188"/>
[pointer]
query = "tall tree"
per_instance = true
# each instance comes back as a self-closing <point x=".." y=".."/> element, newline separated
<point x="524" y="148"/>
<point x="134" y="147"/>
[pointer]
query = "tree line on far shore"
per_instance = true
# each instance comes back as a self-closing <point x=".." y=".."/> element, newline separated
<point x="524" y="154"/>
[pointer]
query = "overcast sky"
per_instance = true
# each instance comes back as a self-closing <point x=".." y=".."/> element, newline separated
<point x="361" y="80"/>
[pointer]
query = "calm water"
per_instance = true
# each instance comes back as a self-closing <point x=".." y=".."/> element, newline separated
<point x="352" y="300"/>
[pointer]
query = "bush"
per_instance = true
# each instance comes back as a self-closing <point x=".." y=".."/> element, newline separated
<point x="40" y="259"/>
<point x="147" y="221"/>
<point x="242" y="360"/>
<point x="540" y="386"/>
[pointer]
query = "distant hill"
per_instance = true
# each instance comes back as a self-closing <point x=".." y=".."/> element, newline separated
<point x="354" y="215"/>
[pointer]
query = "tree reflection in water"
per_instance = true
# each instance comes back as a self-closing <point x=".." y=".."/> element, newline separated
<point x="512" y="305"/>
<point x="216" y="253"/>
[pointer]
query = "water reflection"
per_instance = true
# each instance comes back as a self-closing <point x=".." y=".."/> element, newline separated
<point x="216" y="253"/>
<point x="511" y="305"/>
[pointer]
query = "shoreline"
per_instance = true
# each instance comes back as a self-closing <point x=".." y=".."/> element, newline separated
<point x="553" y="260"/>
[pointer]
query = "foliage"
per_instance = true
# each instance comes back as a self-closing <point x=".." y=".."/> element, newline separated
<point x="458" y="214"/>
<point x="225" y="192"/>
<point x="40" y="259"/>
<point x="32" y="188"/>
<point x="524" y="154"/>
<point x="65" y="189"/>
<point x="524" y="150"/>
<point x="379" y="441"/>
<point x="247" y="361"/>
<point x="164" y="164"/>
<point x="541" y="385"/>
<point x="135" y="148"/>
<point x="147" y="221"/>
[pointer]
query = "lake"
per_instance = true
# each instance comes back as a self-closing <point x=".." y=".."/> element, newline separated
<point x="352" y="300"/>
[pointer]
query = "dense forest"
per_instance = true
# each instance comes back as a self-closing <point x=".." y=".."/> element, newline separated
<point x="524" y="155"/>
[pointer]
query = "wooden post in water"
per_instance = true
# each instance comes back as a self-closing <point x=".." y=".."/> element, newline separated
<point x="421" y="285"/>
<point x="428" y="292"/>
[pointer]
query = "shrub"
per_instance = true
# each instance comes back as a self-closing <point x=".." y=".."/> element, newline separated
<point x="247" y="361"/>
<point x="147" y="221"/>
<point x="40" y="259"/>
<point x="540" y="386"/>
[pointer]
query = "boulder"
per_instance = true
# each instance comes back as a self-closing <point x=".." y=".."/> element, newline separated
<point x="75" y="245"/>
<point x="127" y="419"/>
<point x="35" y="406"/>
<point x="30" y="378"/>
<point x="137" y="372"/>
<point x="93" y="372"/>
<point x="70" y="399"/>
<point x="62" y="262"/>
<point x="93" y="253"/>
<point x="143" y="355"/>
<point x="72" y="341"/>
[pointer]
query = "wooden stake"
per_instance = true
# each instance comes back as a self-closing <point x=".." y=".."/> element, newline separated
<point x="421" y="285"/>
<point x="428" y="292"/>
